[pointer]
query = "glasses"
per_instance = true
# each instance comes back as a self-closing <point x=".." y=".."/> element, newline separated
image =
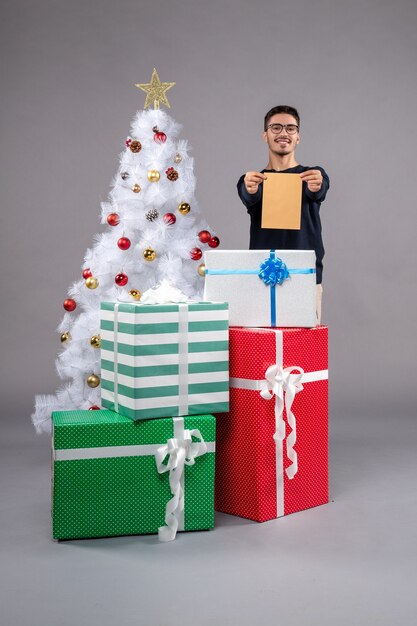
<point x="276" y="129"/>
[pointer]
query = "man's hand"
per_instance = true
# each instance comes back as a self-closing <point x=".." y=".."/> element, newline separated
<point x="313" y="178"/>
<point x="252" y="181"/>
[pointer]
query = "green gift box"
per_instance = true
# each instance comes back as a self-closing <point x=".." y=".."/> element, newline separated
<point x="114" y="476"/>
<point x="165" y="359"/>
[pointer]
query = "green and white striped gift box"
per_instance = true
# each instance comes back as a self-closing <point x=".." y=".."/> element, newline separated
<point x="164" y="360"/>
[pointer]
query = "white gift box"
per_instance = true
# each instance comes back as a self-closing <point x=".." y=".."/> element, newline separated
<point x="263" y="287"/>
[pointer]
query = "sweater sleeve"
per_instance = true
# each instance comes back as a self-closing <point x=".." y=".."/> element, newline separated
<point x="248" y="199"/>
<point x="319" y="196"/>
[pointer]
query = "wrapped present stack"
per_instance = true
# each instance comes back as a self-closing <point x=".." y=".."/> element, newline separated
<point x="145" y="463"/>
<point x="272" y="446"/>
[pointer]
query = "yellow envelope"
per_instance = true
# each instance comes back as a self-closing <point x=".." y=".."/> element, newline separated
<point x="281" y="201"/>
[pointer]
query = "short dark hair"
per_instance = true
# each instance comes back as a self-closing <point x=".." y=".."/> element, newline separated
<point x="282" y="108"/>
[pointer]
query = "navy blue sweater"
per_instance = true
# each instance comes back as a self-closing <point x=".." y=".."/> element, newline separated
<point x="309" y="235"/>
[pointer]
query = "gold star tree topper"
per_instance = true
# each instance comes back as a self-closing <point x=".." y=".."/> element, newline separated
<point x="155" y="91"/>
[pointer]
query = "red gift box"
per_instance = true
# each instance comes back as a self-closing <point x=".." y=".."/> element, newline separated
<point x="272" y="447"/>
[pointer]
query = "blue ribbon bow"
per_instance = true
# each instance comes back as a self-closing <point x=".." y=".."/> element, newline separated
<point x="273" y="271"/>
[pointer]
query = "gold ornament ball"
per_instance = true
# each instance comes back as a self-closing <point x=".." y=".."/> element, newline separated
<point x="153" y="176"/>
<point x="93" y="381"/>
<point x="91" y="282"/>
<point x="95" y="341"/>
<point x="136" y="188"/>
<point x="149" y="254"/>
<point x="201" y="269"/>
<point x="184" y="208"/>
<point x="135" y="294"/>
<point x="65" y="337"/>
<point x="177" y="158"/>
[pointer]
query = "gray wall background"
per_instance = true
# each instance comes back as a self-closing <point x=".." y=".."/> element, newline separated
<point x="67" y="76"/>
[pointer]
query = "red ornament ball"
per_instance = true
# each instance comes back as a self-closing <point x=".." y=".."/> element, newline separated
<point x="87" y="273"/>
<point x="204" y="236"/>
<point x="159" y="136"/>
<point x="121" y="279"/>
<point x="94" y="408"/>
<point x="113" y="219"/>
<point x="169" y="219"/>
<point x="196" y="254"/>
<point x="214" y="242"/>
<point x="70" y="304"/>
<point x="124" y="243"/>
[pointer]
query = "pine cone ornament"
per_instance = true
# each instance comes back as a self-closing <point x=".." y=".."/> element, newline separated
<point x="172" y="174"/>
<point x="135" y="146"/>
<point x="152" y="215"/>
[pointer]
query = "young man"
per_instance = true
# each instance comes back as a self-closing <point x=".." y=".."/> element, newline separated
<point x="281" y="134"/>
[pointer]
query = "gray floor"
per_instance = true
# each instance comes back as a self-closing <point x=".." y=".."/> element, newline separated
<point x="351" y="562"/>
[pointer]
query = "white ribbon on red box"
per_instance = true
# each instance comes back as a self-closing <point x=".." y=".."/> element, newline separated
<point x="283" y="384"/>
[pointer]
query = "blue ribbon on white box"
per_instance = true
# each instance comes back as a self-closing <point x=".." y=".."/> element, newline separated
<point x="273" y="271"/>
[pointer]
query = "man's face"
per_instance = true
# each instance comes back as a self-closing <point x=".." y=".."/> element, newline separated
<point x="283" y="142"/>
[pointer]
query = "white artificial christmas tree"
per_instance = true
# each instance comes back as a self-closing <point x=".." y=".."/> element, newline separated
<point x="154" y="233"/>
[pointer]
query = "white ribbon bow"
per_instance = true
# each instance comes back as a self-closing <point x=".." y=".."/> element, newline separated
<point x="283" y="384"/>
<point x="165" y="293"/>
<point x="180" y="452"/>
